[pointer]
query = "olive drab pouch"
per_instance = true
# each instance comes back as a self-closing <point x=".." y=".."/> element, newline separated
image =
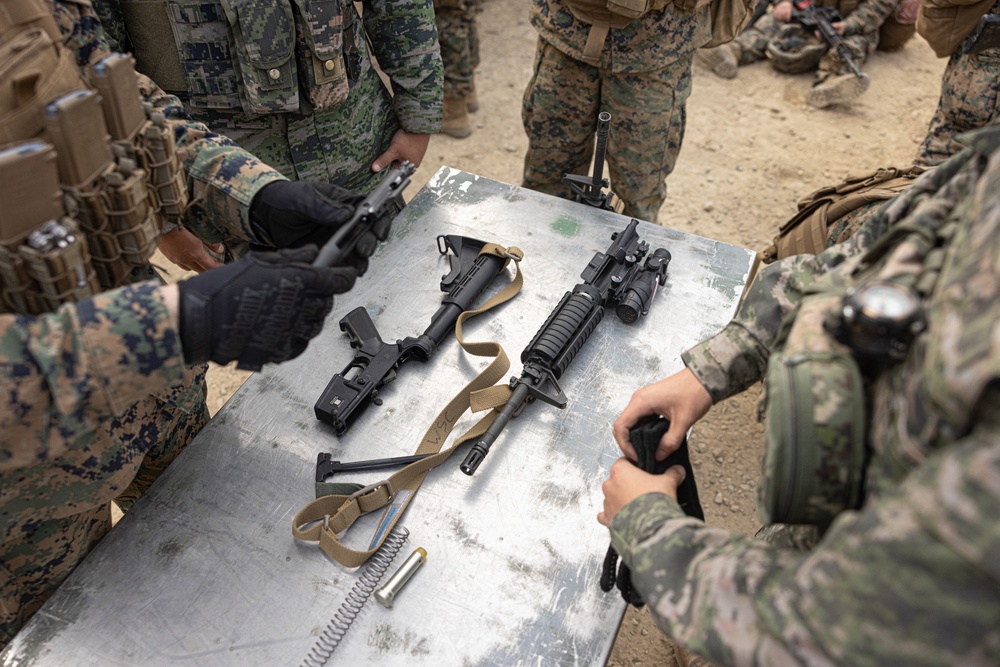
<point x="815" y="431"/>
<point x="158" y="157"/>
<point x="320" y="30"/>
<point x="262" y="42"/>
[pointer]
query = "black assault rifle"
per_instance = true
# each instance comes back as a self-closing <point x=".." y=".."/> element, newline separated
<point x="590" y="189"/>
<point x="371" y="208"/>
<point x="821" y="19"/>
<point x="618" y="277"/>
<point x="375" y="362"/>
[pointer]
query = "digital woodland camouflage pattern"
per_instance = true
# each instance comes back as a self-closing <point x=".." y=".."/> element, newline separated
<point x="861" y="34"/>
<point x="643" y="80"/>
<point x="98" y="400"/>
<point x="970" y="99"/>
<point x="914" y="577"/>
<point x="456" y="27"/>
<point x="336" y="144"/>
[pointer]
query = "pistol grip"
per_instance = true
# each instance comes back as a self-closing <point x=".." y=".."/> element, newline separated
<point x="359" y="326"/>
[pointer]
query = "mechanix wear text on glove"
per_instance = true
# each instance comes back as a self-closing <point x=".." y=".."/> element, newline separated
<point x="263" y="308"/>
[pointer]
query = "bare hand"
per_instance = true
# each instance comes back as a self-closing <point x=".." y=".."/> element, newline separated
<point x="187" y="250"/>
<point x="839" y="27"/>
<point x="782" y="12"/>
<point x="681" y="398"/>
<point x="404" y="146"/>
<point x="627" y="482"/>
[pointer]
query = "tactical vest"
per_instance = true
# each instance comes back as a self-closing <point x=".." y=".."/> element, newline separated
<point x="244" y="55"/>
<point x="89" y="173"/>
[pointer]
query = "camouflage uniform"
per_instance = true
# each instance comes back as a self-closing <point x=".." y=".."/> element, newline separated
<point x="861" y="34"/>
<point x="643" y="80"/>
<point x="456" y="27"/>
<point x="970" y="99"/>
<point x="98" y="398"/>
<point x="339" y="144"/>
<point x="914" y="576"/>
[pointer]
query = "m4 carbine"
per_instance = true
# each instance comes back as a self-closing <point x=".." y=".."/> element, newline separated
<point x="375" y="362"/>
<point x="822" y="19"/>
<point x="625" y="277"/>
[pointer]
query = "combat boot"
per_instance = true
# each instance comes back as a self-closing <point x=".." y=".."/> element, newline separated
<point x="723" y="60"/>
<point x="456" y="118"/>
<point x="839" y="89"/>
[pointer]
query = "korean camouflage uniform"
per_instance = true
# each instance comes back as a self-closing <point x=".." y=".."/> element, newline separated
<point x="98" y="400"/>
<point x="456" y="27"/>
<point x="913" y="577"/>
<point x="643" y="80"/>
<point x="970" y="99"/>
<point x="334" y="145"/>
<point x="862" y="21"/>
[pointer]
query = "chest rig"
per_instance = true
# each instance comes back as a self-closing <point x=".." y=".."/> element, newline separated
<point x="90" y="174"/>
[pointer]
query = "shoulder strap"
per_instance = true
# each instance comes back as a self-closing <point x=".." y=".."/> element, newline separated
<point x="325" y="518"/>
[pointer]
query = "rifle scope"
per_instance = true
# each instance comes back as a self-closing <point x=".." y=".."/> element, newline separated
<point x="639" y="295"/>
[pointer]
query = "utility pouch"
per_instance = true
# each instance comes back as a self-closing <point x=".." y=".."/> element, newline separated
<point x="30" y="195"/>
<point x="131" y="218"/>
<point x="56" y="258"/>
<point x="37" y="71"/>
<point x="815" y="444"/>
<point x="74" y="123"/>
<point x="157" y="153"/>
<point x="320" y="31"/>
<point x="635" y="9"/>
<point x="30" y="198"/>
<point x="262" y="41"/>
<point x="114" y="78"/>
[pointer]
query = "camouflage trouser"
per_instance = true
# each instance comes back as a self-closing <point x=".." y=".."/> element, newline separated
<point x="53" y="515"/>
<point x="456" y="26"/>
<point x="970" y="90"/>
<point x="560" y="111"/>
<point x="753" y="44"/>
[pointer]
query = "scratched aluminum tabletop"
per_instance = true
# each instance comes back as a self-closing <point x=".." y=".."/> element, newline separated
<point x="204" y="569"/>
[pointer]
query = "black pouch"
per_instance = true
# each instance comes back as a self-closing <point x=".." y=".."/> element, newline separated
<point x="645" y="436"/>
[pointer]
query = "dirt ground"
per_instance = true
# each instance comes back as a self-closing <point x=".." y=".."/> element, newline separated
<point x="752" y="149"/>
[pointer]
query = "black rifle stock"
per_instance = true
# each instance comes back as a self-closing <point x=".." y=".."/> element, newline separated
<point x="590" y="189"/>
<point x="619" y="278"/>
<point x="822" y="20"/>
<point x="375" y="362"/>
<point x="367" y="212"/>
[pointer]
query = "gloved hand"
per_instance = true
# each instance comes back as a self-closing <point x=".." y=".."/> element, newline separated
<point x="263" y="308"/>
<point x="295" y="213"/>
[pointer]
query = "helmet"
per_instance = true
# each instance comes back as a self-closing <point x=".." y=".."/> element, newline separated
<point x="793" y="50"/>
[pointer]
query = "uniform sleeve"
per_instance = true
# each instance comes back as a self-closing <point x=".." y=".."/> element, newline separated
<point x="913" y="579"/>
<point x="736" y="357"/>
<point x="405" y="42"/>
<point x="64" y="373"/>
<point x="222" y="178"/>
<point x="869" y="16"/>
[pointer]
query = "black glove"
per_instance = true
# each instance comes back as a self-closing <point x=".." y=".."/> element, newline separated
<point x="645" y="438"/>
<point x="263" y="308"/>
<point x="295" y="213"/>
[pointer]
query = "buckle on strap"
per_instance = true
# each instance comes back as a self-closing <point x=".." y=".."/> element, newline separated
<point x="364" y="491"/>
